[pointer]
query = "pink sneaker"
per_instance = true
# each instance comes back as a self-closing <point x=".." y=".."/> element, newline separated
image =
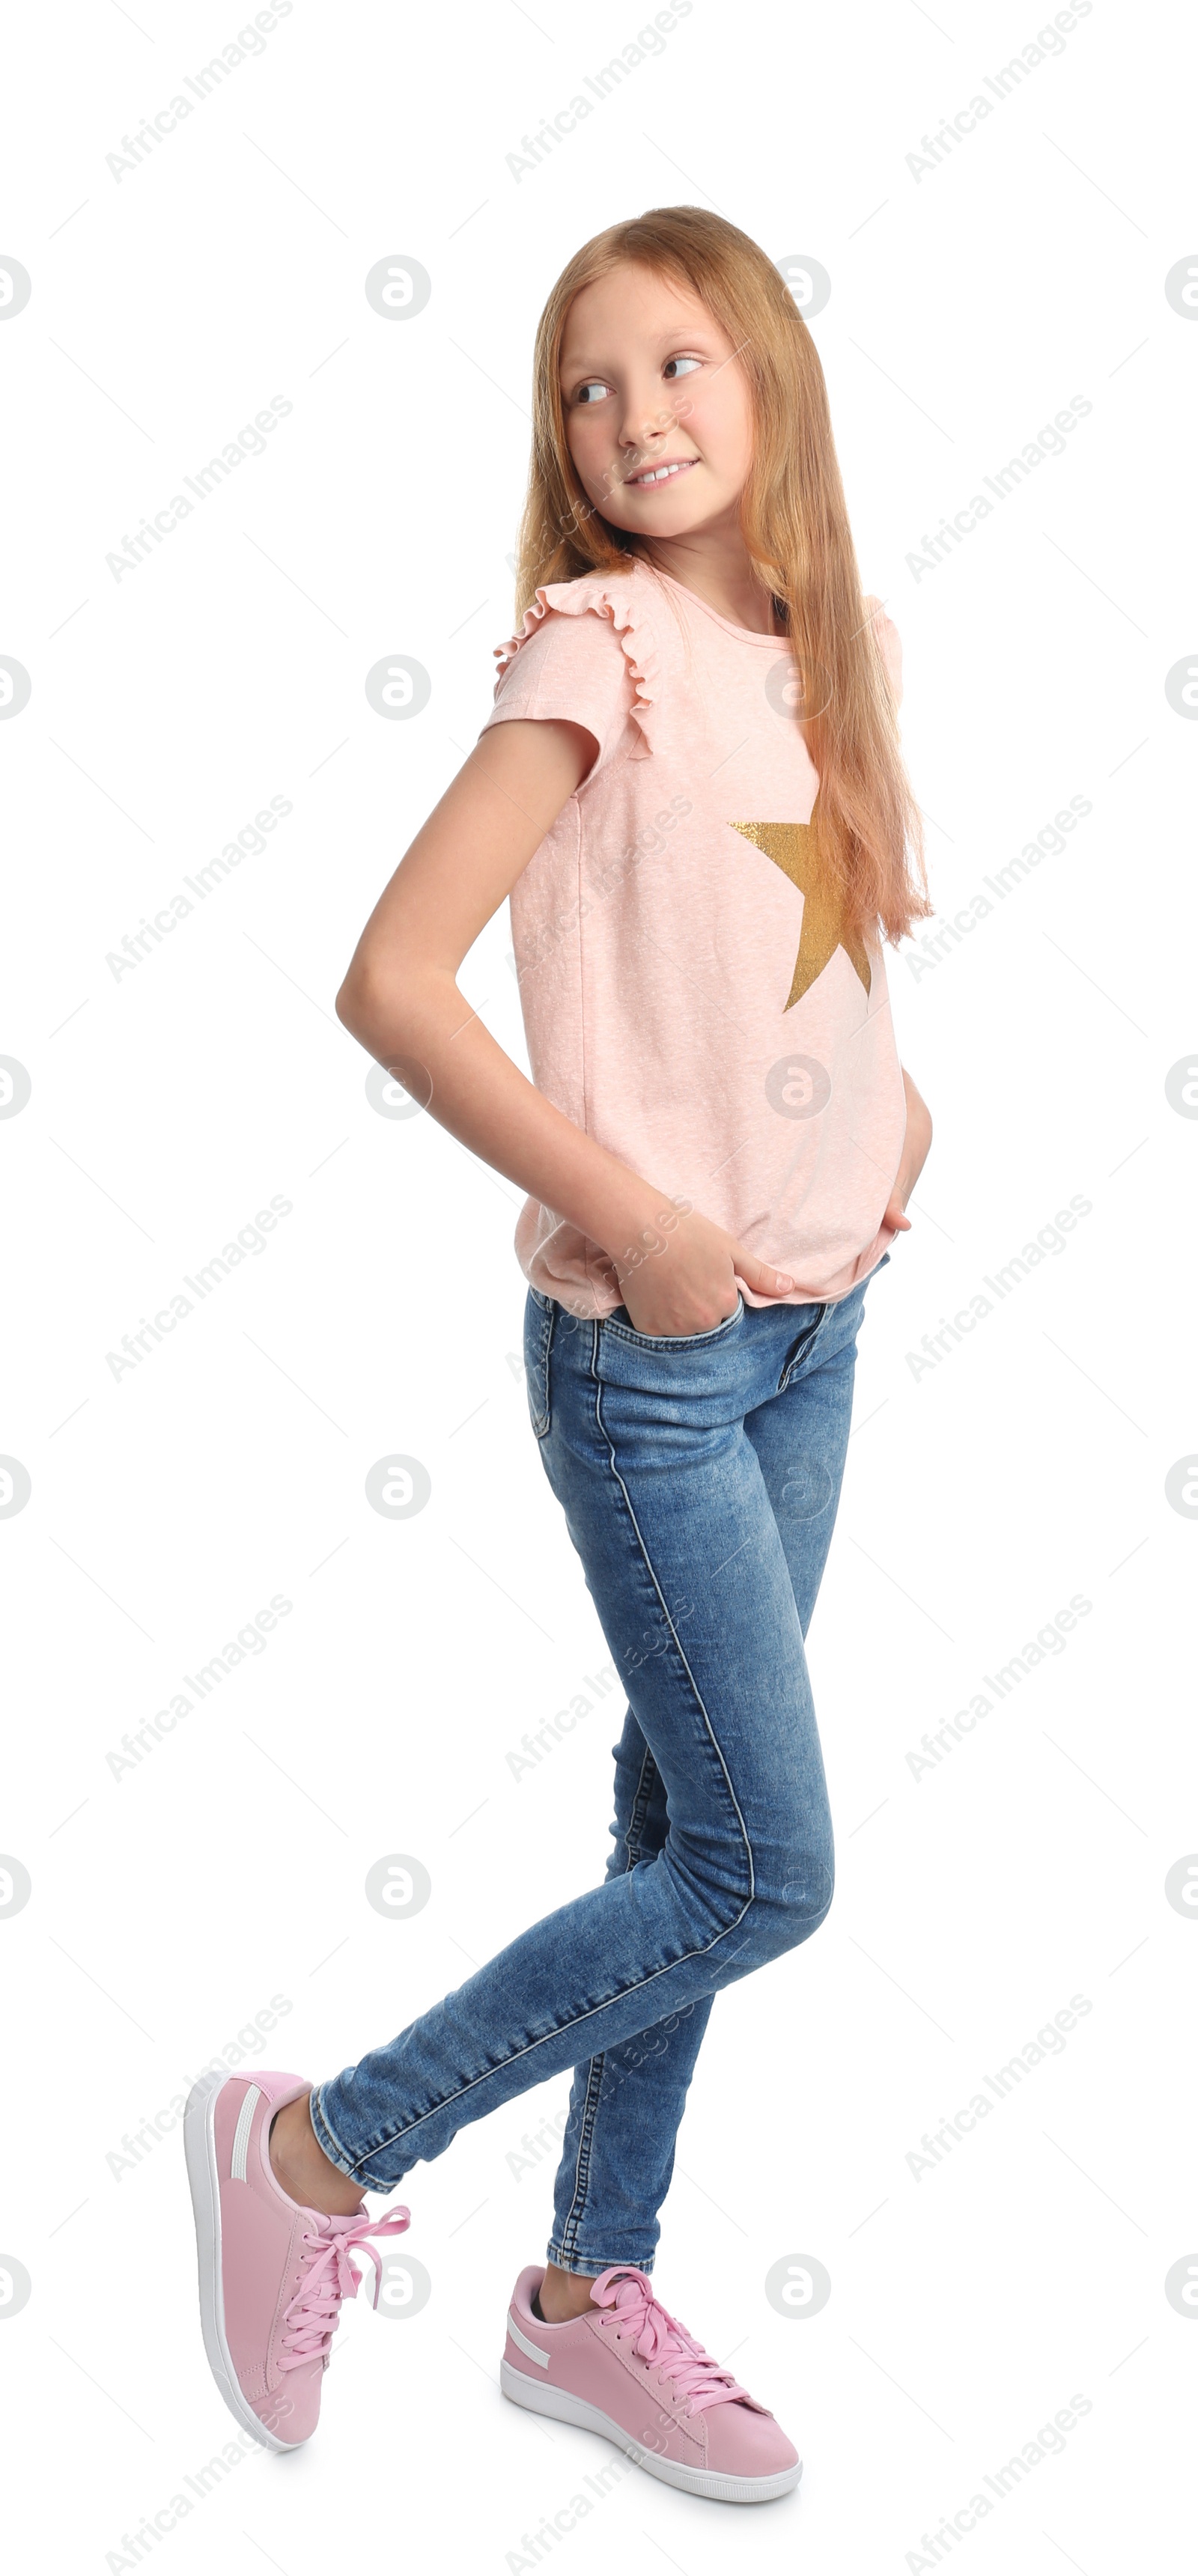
<point x="272" y="2274"/>
<point x="627" y="2369"/>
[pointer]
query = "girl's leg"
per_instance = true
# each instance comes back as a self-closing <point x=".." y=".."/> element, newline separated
<point x="801" y="1438"/>
<point x="625" y="2106"/>
<point x="665" y="1499"/>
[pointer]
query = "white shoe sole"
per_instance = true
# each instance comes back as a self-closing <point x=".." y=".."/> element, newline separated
<point x="567" y="2409"/>
<point x="199" y="2146"/>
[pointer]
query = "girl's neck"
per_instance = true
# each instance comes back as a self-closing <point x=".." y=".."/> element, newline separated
<point x="713" y="562"/>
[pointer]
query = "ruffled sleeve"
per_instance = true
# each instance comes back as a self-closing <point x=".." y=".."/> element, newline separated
<point x="585" y="653"/>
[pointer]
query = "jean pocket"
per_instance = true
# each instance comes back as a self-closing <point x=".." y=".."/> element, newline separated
<point x="540" y="1318"/>
<point x="627" y="1332"/>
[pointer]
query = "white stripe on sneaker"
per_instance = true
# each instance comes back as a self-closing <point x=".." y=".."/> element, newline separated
<point x="532" y="2349"/>
<point x="241" y="2134"/>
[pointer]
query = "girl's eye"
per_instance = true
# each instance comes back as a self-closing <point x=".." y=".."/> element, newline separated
<point x="592" y="391"/>
<point x="679" y="363"/>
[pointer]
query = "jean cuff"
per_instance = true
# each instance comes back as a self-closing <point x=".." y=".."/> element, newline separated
<point x="589" y="2269"/>
<point x="338" y="2155"/>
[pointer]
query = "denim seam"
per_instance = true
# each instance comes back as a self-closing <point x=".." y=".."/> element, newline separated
<point x="399" y="2137"/>
<point x="594" y="2089"/>
<point x="639" y="1809"/>
<point x="582" y="2162"/>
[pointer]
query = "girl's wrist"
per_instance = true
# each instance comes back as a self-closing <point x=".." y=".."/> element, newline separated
<point x="640" y="1221"/>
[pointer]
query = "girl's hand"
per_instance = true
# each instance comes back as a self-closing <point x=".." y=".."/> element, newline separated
<point x="679" y="1277"/>
<point x="915" y="1154"/>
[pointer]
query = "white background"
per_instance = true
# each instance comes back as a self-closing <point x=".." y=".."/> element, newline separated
<point x="172" y="1900"/>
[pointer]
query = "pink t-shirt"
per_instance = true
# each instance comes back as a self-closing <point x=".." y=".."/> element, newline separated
<point x="687" y="998"/>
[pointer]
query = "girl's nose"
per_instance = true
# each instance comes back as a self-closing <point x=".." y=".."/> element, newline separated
<point x="642" y="425"/>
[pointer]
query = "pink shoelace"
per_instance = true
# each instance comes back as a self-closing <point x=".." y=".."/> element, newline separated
<point x="310" y="2318"/>
<point x="662" y="2341"/>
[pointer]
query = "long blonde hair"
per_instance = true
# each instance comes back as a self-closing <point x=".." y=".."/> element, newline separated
<point x="796" y="529"/>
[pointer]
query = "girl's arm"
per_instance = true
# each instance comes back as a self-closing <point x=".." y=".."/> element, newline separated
<point x="914" y="1155"/>
<point x="401" y="1000"/>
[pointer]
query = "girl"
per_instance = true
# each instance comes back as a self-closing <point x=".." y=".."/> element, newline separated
<point x="690" y="787"/>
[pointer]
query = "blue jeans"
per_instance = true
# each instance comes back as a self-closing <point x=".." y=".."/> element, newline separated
<point x="699" y="1477"/>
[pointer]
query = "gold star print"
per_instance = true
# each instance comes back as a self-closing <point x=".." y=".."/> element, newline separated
<point x="791" y="847"/>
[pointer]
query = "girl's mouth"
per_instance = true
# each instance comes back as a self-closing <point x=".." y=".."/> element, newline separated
<point x="652" y="474"/>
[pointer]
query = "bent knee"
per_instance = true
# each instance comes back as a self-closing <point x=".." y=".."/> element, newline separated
<point x="791" y="1912"/>
<point x="757" y="1914"/>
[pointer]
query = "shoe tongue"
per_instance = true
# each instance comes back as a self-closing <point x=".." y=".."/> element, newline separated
<point x="324" y="2225"/>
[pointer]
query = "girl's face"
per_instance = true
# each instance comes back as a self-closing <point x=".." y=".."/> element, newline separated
<point x="650" y="381"/>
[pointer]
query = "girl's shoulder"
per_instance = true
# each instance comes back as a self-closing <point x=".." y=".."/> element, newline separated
<point x="604" y="621"/>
